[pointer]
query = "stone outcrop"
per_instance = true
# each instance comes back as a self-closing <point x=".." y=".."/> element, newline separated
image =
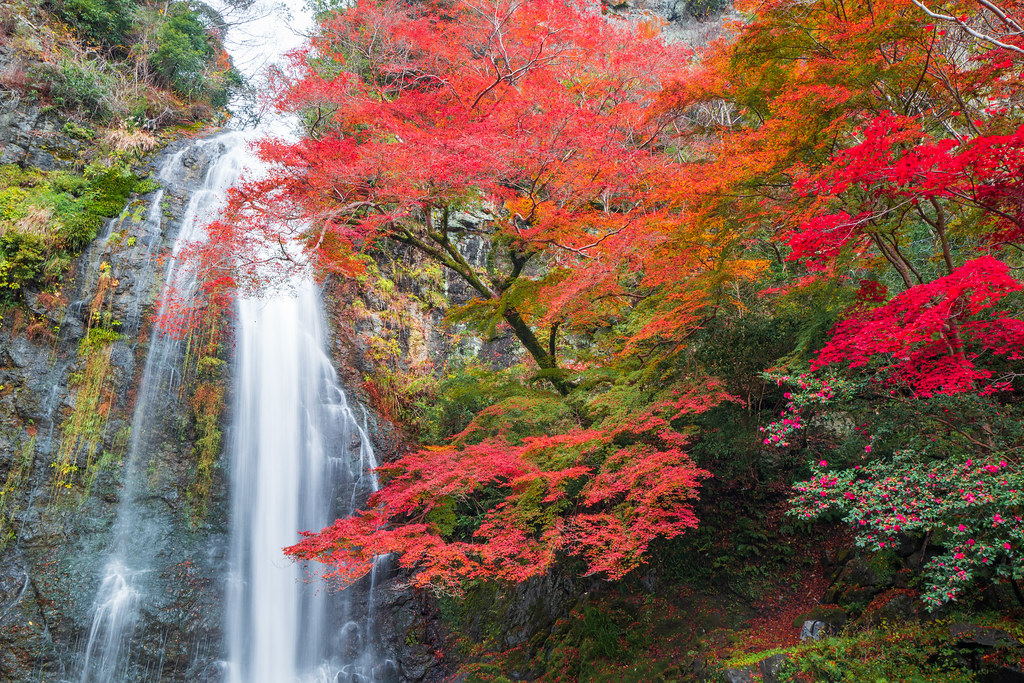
<point x="55" y="539"/>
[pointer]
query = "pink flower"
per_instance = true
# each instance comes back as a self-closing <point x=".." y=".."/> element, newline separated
<point x="867" y="449"/>
<point x="1006" y="545"/>
<point x="823" y="463"/>
<point x="970" y="541"/>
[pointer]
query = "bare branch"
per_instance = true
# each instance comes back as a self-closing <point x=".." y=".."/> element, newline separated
<point x="977" y="34"/>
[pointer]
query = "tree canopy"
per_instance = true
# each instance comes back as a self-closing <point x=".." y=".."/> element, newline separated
<point x="854" y="166"/>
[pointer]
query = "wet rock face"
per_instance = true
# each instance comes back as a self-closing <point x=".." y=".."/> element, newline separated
<point x="410" y="633"/>
<point x="31" y="135"/>
<point x="55" y="541"/>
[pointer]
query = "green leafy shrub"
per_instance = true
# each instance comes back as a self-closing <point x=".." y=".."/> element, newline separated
<point x="83" y="209"/>
<point x="102" y="22"/>
<point x="183" y="52"/>
<point x="79" y="132"/>
<point x="79" y="88"/>
<point x="21" y="258"/>
<point x="13" y="206"/>
<point x="916" y="654"/>
<point x="968" y="506"/>
<point x="189" y="57"/>
<point x="46" y="219"/>
<point x="898" y="473"/>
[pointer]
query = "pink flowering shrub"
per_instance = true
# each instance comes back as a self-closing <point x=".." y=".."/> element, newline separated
<point x="968" y="511"/>
<point x="808" y="391"/>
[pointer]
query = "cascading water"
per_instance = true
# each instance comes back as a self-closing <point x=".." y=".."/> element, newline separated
<point x="300" y="459"/>
<point x="135" y="538"/>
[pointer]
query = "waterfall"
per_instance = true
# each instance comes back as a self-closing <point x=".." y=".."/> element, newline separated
<point x="300" y="458"/>
<point x="135" y="538"/>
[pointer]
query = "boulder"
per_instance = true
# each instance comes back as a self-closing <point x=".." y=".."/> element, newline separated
<point x="816" y="630"/>
<point x="771" y="668"/>
<point x="981" y="637"/>
<point x="742" y="674"/>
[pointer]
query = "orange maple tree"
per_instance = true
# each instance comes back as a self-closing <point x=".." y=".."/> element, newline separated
<point x="869" y="142"/>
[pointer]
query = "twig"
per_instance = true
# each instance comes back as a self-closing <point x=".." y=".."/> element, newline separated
<point x="977" y="34"/>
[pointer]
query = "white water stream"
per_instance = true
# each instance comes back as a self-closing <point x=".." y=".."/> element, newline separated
<point x="300" y="456"/>
<point x="134" y="544"/>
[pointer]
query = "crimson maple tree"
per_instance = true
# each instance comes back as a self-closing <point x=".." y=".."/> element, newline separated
<point x="527" y="130"/>
<point x="874" y="151"/>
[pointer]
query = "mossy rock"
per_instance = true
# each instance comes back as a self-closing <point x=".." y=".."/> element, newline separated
<point x="893" y="606"/>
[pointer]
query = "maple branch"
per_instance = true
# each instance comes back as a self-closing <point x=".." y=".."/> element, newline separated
<point x="940" y="230"/>
<point x="976" y="442"/>
<point x="463" y="268"/>
<point x="1011" y="23"/>
<point x="924" y="72"/>
<point x="977" y="34"/>
<point x="451" y="258"/>
<point x="894" y="259"/>
<point x="511" y="76"/>
<point x="408" y="238"/>
<point x="581" y="251"/>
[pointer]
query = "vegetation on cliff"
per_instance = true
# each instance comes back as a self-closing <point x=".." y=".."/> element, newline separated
<point x="131" y="65"/>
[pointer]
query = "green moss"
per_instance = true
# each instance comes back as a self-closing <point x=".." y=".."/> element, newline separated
<point x="755" y="657"/>
<point x="82" y="431"/>
<point x="916" y="653"/>
<point x="205" y="370"/>
<point x="17" y="478"/>
<point x="46" y="219"/>
<point x="79" y="132"/>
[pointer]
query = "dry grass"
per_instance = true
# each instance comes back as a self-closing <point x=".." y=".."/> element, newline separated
<point x="14" y="78"/>
<point x="37" y="221"/>
<point x="8" y="23"/>
<point x="40" y="330"/>
<point x="129" y="141"/>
